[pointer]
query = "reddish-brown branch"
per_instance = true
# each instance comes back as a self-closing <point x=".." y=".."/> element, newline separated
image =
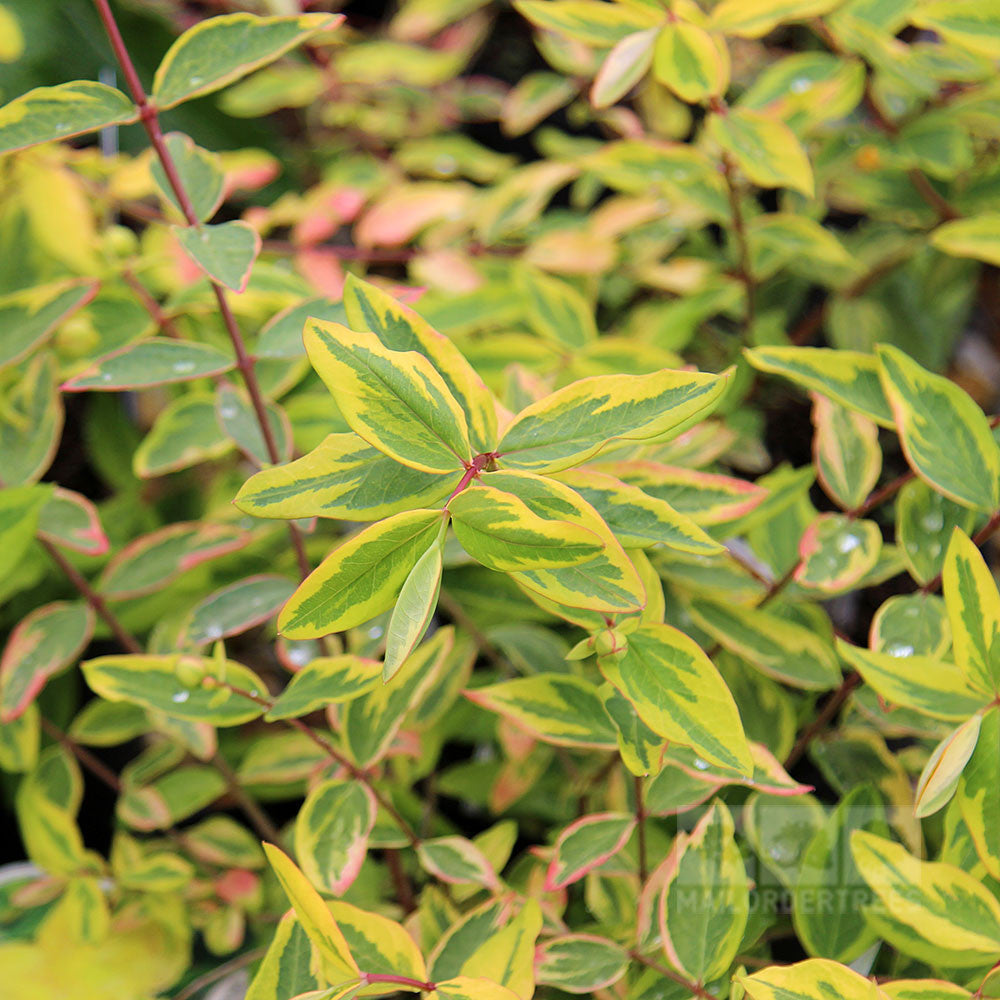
<point x="151" y="123"/>
<point x="84" y="756"/>
<point x="334" y="754"/>
<point x="93" y="598"/>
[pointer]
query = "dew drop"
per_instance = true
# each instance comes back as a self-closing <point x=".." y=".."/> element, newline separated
<point x="900" y="649"/>
<point x="213" y="631"/>
<point x="702" y="765"/>
<point x="179" y="697"/>
<point x="848" y="543"/>
<point x="932" y="521"/>
<point x="375" y="632"/>
<point x="800" y="85"/>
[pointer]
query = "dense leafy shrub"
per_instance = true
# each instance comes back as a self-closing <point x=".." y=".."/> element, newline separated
<point x="437" y="506"/>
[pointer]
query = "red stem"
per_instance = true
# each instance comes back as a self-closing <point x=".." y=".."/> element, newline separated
<point x="151" y="123"/>
<point x="376" y="977"/>
<point x="94" y="599"/>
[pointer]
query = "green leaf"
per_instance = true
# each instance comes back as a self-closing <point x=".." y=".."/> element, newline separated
<point x="335" y="960"/>
<point x="401" y="329"/>
<point x="829" y="894"/>
<point x="936" y="902"/>
<point x="812" y="979"/>
<point x="581" y="963"/>
<point x="969" y="24"/>
<point x="219" y="50"/>
<point x="624" y="66"/>
<point x="414" y="607"/>
<point x="327" y="680"/>
<point x="281" y="336"/>
<point x="941" y="773"/>
<point x="764" y="148"/>
<point x="847" y="377"/>
<point x="158" y="361"/>
<point x="185" y="433"/>
<point x="49" y="113"/>
<point x="20" y="510"/>
<point x="398" y="402"/>
<point x="589" y="21"/>
<point x="945" y="435"/>
<point x="470" y="988"/>
<point x="361" y="577"/>
<point x="42" y="645"/>
<point x="30" y="428"/>
<point x="756" y="18"/>
<point x="925" y="521"/>
<point x="979" y="792"/>
<point x="607" y="583"/>
<point x="931" y="686"/>
<point x="690" y="62"/>
<point x="29" y="316"/>
<point x="225" y="252"/>
<point x="152" y="561"/>
<point x="555" y="309"/>
<point x="837" y="552"/>
<point x="637" y="519"/>
<point x="379" y="945"/>
<point x="507" y="956"/>
<point x="847" y="453"/>
<point x="501" y="531"/>
<point x="679" y="694"/>
<point x="556" y="708"/>
<point x="342" y="478"/>
<point x="976" y="238"/>
<point x="370" y="723"/>
<point x="237" y="417"/>
<point x="237" y="607"/>
<point x="705" y="899"/>
<point x="331" y="833"/>
<point x="162" y="683"/>
<point x="970" y="593"/>
<point x="200" y="172"/>
<point x="286" y="969"/>
<point x="170" y="799"/>
<point x="457" y="861"/>
<point x="782" y="649"/>
<point x="71" y="521"/>
<point x="586" y="844"/>
<point x="705" y="497"/>
<point x="911" y="623"/>
<point x="574" y="423"/>
<point x="532" y="99"/>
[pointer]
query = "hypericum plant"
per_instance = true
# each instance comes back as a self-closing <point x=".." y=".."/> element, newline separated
<point x="571" y="669"/>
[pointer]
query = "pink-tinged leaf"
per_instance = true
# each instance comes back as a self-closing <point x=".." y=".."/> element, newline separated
<point x="706" y="497"/>
<point x="837" y="551"/>
<point x="42" y="645"/>
<point x="458" y="861"/>
<point x="156" y="559"/>
<point x="623" y="67"/>
<point x="401" y="214"/>
<point x="769" y="777"/>
<point x="156" y="361"/>
<point x="331" y="833"/>
<point x="29" y="316"/>
<point x="72" y="521"/>
<point x="237" y="607"/>
<point x="585" y="845"/>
